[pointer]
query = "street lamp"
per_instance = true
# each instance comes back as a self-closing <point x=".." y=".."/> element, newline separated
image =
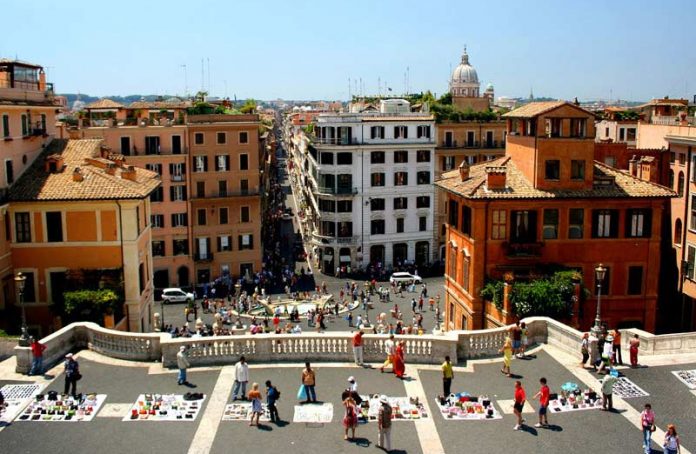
<point x="600" y="273"/>
<point x="20" y="280"/>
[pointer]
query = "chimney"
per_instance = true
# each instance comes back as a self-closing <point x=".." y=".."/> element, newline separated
<point x="464" y="170"/>
<point x="128" y="173"/>
<point x="110" y="168"/>
<point x="633" y="166"/>
<point x="104" y="151"/>
<point x="495" y="177"/>
<point x="77" y="175"/>
<point x="54" y="163"/>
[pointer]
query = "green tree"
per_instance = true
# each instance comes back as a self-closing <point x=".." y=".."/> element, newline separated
<point x="248" y="107"/>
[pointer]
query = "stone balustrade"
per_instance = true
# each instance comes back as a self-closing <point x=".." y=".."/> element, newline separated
<point x="661" y="344"/>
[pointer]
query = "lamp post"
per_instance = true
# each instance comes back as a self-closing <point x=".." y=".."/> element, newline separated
<point x="20" y="280"/>
<point x="600" y="273"/>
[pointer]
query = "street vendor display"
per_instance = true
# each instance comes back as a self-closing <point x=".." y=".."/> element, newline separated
<point x="403" y="408"/>
<point x="574" y="399"/>
<point x="688" y="377"/>
<point x="62" y="407"/>
<point x="17" y="397"/>
<point x="462" y="406"/>
<point x="241" y="411"/>
<point x="166" y="407"/>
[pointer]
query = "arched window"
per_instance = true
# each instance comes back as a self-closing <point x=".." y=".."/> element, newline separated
<point x="680" y="184"/>
<point x="677" y="231"/>
<point x="466" y="266"/>
<point x="671" y="179"/>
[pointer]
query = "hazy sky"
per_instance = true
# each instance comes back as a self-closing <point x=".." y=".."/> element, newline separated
<point x="302" y="49"/>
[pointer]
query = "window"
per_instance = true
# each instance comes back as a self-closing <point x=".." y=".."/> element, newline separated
<point x="578" y="127"/>
<point x="200" y="189"/>
<point x="690" y="259"/>
<point x="470" y="139"/>
<point x="672" y="157"/>
<point x="453" y="214"/>
<point x="243" y="137"/>
<point x="54" y="226"/>
<point x="680" y="185"/>
<point x="377" y="132"/>
<point x="177" y="171"/>
<point x="326" y="158"/>
<point x="577" y="169"/>
<point x="499" y="227"/>
<point x="423" y="156"/>
<point x="692" y="219"/>
<point x="344" y="206"/>
<point x="224" y="243"/>
<point x="639" y="223"/>
<point x="25" y="126"/>
<point x="222" y="188"/>
<point x="550" y="230"/>
<point x="344" y="183"/>
<point x="423" y="201"/>
<point x="327" y="205"/>
<point x="157" y="220"/>
<point x="622" y="134"/>
<point x="200" y="163"/>
<point x="244" y="214"/>
<point x="221" y="138"/>
<point x="224" y="217"/>
<point x="631" y="134"/>
<point x="401" y="132"/>
<point x="553" y="169"/>
<point x="400" y="178"/>
<point x="157" y="168"/>
<point x="177" y="193"/>
<point x="198" y="138"/>
<point x="423" y="131"/>
<point x="152" y="145"/>
<point x="422" y="223"/>
<point x="423" y="177"/>
<point x="201" y="216"/>
<point x="466" y="220"/>
<point x="400" y="157"/>
<point x="635" y="280"/>
<point x="176" y="144"/>
<point x="606" y="132"/>
<point x="671" y="179"/>
<point x="377" y="179"/>
<point x="243" y="161"/>
<point x="327" y="228"/>
<point x="377" y="227"/>
<point x="447" y="163"/>
<point x="222" y="163"/>
<point x="377" y="205"/>
<point x="179" y="219"/>
<point x="400" y="203"/>
<point x="343" y="159"/>
<point x="244" y="186"/>
<point x="465" y="273"/>
<point x="677" y="232"/>
<point x="576" y="219"/>
<point x="157" y="195"/>
<point x="605" y="223"/>
<point x="399" y="225"/>
<point x="125" y="146"/>
<point x="22" y="227"/>
<point x="158" y="248"/>
<point x="682" y="158"/>
<point x="603" y="286"/>
<point x="180" y="247"/>
<point x="6" y="125"/>
<point x="524" y="226"/>
<point x="9" y="172"/>
<point x="377" y="157"/>
<point x="246" y="241"/>
<point x="345" y="229"/>
<point x="693" y="169"/>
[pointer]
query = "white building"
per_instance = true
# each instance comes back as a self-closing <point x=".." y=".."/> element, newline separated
<point x="367" y="182"/>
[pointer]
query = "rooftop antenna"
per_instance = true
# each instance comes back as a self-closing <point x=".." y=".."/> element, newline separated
<point x="208" y="74"/>
<point x="361" y="88"/>
<point x="408" y="80"/>
<point x="202" y="76"/>
<point x="350" y="95"/>
<point x="379" y="87"/>
<point x="185" y="81"/>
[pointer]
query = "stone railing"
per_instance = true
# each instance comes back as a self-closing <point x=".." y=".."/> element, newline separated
<point x="661" y="344"/>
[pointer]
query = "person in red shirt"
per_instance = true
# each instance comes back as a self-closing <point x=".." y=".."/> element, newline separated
<point x="37" y="349"/>
<point x="543" y="396"/>
<point x="520" y="397"/>
<point x="358" y="348"/>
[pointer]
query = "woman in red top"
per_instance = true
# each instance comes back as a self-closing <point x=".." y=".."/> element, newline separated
<point x="399" y="365"/>
<point x="520" y="397"/>
<point x="350" y="420"/>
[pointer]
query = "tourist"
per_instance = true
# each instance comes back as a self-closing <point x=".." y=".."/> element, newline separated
<point x="447" y="376"/>
<point x="72" y="374"/>
<point x="384" y="422"/>
<point x="350" y="419"/>
<point x="671" y="444"/>
<point x="182" y="363"/>
<point x="272" y="395"/>
<point x="607" y="352"/>
<point x="516" y="334"/>
<point x="585" y="349"/>
<point x="647" y="424"/>
<point x="256" y="407"/>
<point x="399" y="360"/>
<point x="520" y="398"/>
<point x="523" y="340"/>
<point x="241" y="378"/>
<point x="431" y="303"/>
<point x="506" y="350"/>
<point x="544" y="396"/>
<point x="633" y="345"/>
<point x="390" y="349"/>
<point x="616" y="344"/>
<point x="358" y="347"/>
<point x="309" y="380"/>
<point x="608" y="390"/>
<point x="37" y="349"/>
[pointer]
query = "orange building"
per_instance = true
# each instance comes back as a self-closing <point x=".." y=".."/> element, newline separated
<point x="548" y="202"/>
<point x="79" y="210"/>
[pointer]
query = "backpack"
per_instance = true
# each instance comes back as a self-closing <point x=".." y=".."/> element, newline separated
<point x="277" y="393"/>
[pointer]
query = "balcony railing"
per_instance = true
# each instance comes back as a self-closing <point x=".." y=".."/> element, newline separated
<point x="336" y="191"/>
<point x="523" y="249"/>
<point x="178" y="177"/>
<point x="203" y="256"/>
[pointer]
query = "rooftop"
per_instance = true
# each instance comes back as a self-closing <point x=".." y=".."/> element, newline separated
<point x="534" y="109"/>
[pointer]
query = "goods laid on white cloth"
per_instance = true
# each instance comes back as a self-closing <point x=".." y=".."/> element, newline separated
<point x="688" y="377"/>
<point x="166" y="407"/>
<point x="403" y="408"/>
<point x="462" y="406"/>
<point x="626" y="389"/>
<point x="573" y="399"/>
<point x="241" y="411"/>
<point x="62" y="407"/>
<point x="313" y="413"/>
<point x="16" y="398"/>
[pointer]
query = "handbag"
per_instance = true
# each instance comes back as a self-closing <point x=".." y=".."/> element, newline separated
<point x="302" y="393"/>
<point x="77" y="376"/>
<point x="653" y="428"/>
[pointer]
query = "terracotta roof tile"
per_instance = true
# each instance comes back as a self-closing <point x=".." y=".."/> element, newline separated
<point x="534" y="109"/>
<point x="37" y="184"/>
<point x="105" y="103"/>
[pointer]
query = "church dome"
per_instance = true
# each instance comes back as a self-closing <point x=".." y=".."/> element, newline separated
<point x="464" y="72"/>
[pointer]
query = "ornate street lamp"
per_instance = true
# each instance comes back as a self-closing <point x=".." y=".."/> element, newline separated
<point x="600" y="273"/>
<point x="20" y="280"/>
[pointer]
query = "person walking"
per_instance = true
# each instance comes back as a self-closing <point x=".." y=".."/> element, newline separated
<point x="447" y="376"/>
<point x="507" y="351"/>
<point x="520" y="398"/>
<point x="516" y="335"/>
<point x="543" y="395"/>
<point x="431" y="303"/>
<point x="256" y="408"/>
<point x="358" y="347"/>
<point x="241" y="378"/>
<point x="72" y="374"/>
<point x="350" y="419"/>
<point x="671" y="444"/>
<point x="309" y="380"/>
<point x="182" y="363"/>
<point x="616" y="344"/>
<point x="608" y="390"/>
<point x="633" y="345"/>
<point x="37" y="349"/>
<point x="399" y="360"/>
<point x="585" y="349"/>
<point x="272" y="396"/>
<point x="647" y="424"/>
<point x="384" y="423"/>
<point x="523" y="340"/>
<point x="390" y="349"/>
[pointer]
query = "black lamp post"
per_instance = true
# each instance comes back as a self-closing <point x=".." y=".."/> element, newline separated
<point x="20" y="280"/>
<point x="600" y="273"/>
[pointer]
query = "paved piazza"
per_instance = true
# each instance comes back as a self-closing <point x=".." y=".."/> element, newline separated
<point x="576" y="431"/>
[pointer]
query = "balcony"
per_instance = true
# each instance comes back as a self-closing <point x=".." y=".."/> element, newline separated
<point x="203" y="256"/>
<point x="337" y="191"/>
<point x="522" y="250"/>
<point x="493" y="144"/>
<point x="178" y="178"/>
<point x="225" y="194"/>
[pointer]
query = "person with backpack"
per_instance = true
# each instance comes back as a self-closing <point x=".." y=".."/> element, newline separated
<point x="272" y="396"/>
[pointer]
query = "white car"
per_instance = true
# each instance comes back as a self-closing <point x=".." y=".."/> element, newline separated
<point x="406" y="278"/>
<point x="176" y="295"/>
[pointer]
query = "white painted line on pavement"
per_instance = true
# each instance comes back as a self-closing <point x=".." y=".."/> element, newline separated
<point x="210" y="419"/>
<point x="426" y="428"/>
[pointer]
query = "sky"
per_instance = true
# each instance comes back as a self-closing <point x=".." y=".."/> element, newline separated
<point x="306" y="49"/>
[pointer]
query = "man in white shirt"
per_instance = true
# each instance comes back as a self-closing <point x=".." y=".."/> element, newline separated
<point x="390" y="349"/>
<point x="241" y="378"/>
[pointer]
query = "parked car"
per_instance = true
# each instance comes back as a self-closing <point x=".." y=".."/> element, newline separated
<point x="406" y="278"/>
<point x="176" y="295"/>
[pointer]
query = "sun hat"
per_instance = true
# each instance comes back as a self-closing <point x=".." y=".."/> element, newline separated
<point x="69" y="355"/>
<point x="182" y="348"/>
<point x="383" y="399"/>
<point x="351" y="379"/>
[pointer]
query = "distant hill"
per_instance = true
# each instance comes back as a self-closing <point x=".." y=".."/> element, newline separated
<point x="72" y="97"/>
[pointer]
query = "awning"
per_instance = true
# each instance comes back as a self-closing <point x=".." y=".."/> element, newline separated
<point x="344" y="258"/>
